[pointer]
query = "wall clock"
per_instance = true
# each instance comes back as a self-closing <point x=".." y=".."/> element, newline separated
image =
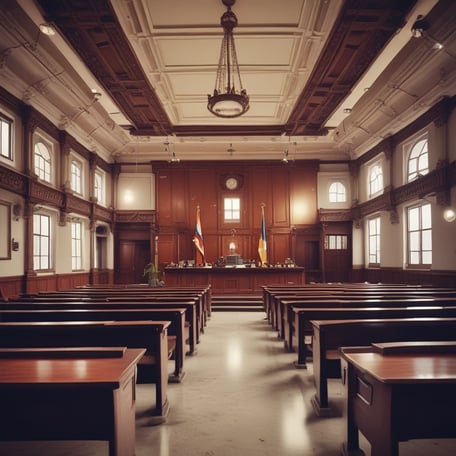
<point x="231" y="183"/>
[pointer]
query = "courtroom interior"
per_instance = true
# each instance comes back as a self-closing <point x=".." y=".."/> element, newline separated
<point x="230" y="198"/>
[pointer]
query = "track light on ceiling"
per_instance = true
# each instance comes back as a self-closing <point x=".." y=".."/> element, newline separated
<point x="229" y="98"/>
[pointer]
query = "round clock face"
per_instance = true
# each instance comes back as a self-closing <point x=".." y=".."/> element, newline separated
<point x="231" y="183"/>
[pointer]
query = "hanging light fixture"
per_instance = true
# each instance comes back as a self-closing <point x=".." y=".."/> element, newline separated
<point x="229" y="99"/>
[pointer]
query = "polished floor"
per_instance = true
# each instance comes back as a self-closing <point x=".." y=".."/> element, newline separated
<point x="241" y="396"/>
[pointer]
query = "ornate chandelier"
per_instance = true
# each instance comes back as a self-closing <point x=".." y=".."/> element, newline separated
<point x="229" y="99"/>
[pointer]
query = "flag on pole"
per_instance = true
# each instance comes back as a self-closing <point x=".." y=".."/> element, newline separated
<point x="198" y="239"/>
<point x="262" y="246"/>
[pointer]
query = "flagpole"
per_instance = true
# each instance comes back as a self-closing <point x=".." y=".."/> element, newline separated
<point x="262" y="244"/>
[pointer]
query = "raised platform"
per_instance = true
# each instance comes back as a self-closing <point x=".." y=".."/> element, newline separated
<point x="237" y="303"/>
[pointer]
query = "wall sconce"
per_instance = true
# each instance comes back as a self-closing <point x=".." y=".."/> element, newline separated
<point x="16" y="211"/>
<point x="449" y="214"/>
<point x="14" y="245"/>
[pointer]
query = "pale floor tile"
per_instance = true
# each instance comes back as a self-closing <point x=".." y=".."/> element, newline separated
<point x="241" y="397"/>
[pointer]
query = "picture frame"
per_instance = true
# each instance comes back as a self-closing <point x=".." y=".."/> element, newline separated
<point x="5" y="230"/>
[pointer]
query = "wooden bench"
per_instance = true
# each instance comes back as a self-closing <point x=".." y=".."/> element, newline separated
<point x="305" y="316"/>
<point x="290" y="322"/>
<point x="193" y="315"/>
<point x="65" y="402"/>
<point x="150" y="335"/>
<point x="177" y="332"/>
<point x="273" y="295"/>
<point x="330" y="335"/>
<point x="201" y="294"/>
<point x="74" y="304"/>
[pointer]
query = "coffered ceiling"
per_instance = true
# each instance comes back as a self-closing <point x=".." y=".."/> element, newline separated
<point x="314" y="71"/>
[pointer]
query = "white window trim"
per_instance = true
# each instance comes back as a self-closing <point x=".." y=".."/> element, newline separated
<point x="102" y="175"/>
<point x="377" y="163"/>
<point x="50" y="145"/>
<point x="407" y="149"/>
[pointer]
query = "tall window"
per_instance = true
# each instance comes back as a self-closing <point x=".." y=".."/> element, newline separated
<point x="419" y="234"/>
<point x="232" y="209"/>
<point x="375" y="179"/>
<point x="76" y="176"/>
<point x="43" y="163"/>
<point x="336" y="242"/>
<point x="99" y="187"/>
<point x="337" y="193"/>
<point x="41" y="242"/>
<point x="6" y="147"/>
<point x="374" y="240"/>
<point x="76" y="246"/>
<point x="418" y="160"/>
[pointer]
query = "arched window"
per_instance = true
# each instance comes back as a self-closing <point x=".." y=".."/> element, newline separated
<point x="43" y="161"/>
<point x="375" y="179"/>
<point x="418" y="160"/>
<point x="337" y="193"/>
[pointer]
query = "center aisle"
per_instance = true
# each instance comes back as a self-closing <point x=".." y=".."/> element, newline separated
<point x="241" y="396"/>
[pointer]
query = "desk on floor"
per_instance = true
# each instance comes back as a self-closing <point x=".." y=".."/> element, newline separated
<point x="397" y="392"/>
<point x="69" y="394"/>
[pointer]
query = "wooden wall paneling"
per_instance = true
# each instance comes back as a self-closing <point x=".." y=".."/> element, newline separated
<point x="72" y="280"/>
<point x="303" y="195"/>
<point x="280" y="201"/>
<point x="11" y="287"/>
<point x="169" y="248"/>
<point x="279" y="247"/>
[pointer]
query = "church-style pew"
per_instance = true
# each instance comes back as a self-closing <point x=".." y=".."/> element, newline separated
<point x="128" y="305"/>
<point x="203" y="293"/>
<point x="176" y="329"/>
<point x="197" y="321"/>
<point x="272" y="295"/>
<point x="205" y="290"/>
<point x="150" y="335"/>
<point x="330" y="335"/>
<point x="306" y="315"/>
<point x="289" y="322"/>
<point x="278" y="313"/>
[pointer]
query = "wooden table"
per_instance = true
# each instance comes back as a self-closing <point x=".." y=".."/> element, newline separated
<point x="398" y="392"/>
<point x="69" y="394"/>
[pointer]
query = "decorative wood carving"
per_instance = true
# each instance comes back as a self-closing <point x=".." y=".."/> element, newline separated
<point x="135" y="216"/>
<point x="12" y="181"/>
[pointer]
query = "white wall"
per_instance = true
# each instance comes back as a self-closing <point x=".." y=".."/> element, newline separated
<point x="136" y="191"/>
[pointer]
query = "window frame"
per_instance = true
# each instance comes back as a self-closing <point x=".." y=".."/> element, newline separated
<point x="7" y="122"/>
<point x="99" y="192"/>
<point x="373" y="240"/>
<point x="77" y="181"/>
<point x="421" y="235"/>
<point x="336" y="242"/>
<point x="50" y="149"/>
<point x="38" y="238"/>
<point x="76" y="245"/>
<point x="337" y="193"/>
<point x="378" y="181"/>
<point x="231" y="210"/>
<point x="410" y="148"/>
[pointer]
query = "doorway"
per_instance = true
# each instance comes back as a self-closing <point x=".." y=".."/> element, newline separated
<point x="133" y="256"/>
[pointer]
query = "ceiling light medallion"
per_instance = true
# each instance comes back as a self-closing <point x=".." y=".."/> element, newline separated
<point x="229" y="99"/>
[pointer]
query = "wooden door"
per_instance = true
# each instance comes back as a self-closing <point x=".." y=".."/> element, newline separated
<point x="133" y="257"/>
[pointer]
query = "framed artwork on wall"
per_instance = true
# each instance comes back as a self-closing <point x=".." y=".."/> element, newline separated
<point x="5" y="230"/>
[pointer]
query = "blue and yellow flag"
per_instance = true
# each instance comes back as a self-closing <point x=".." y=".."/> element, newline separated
<point x="262" y="246"/>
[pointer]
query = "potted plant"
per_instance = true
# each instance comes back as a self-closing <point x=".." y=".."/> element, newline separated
<point x="153" y="275"/>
